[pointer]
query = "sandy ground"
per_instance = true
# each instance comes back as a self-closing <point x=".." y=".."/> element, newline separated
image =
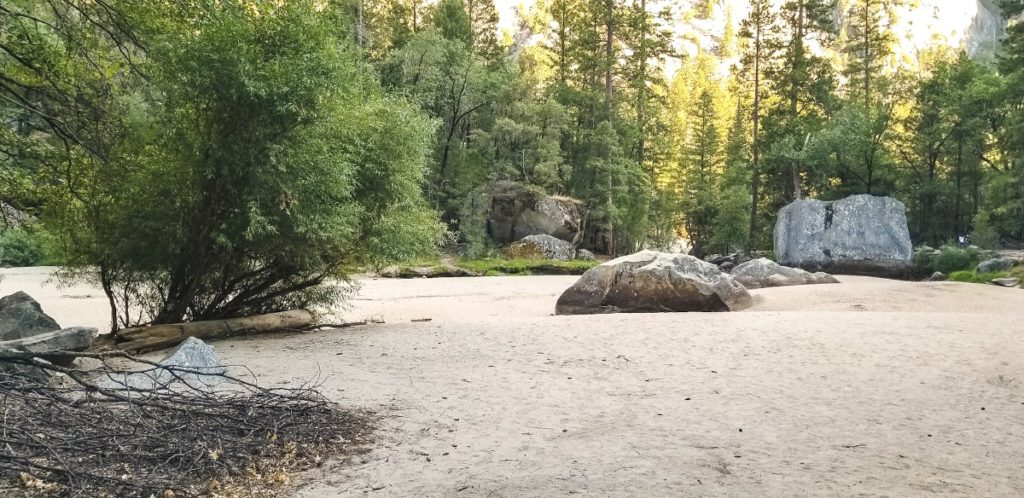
<point x="866" y="388"/>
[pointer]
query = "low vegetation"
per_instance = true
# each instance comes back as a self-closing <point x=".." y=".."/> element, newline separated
<point x="527" y="266"/>
<point x="973" y="277"/>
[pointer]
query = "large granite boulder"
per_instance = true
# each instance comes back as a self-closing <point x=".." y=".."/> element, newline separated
<point x="517" y="211"/>
<point x="994" y="265"/>
<point x="650" y="282"/>
<point x="860" y="234"/>
<point x="763" y="272"/>
<point x="21" y="316"/>
<point x="541" y="246"/>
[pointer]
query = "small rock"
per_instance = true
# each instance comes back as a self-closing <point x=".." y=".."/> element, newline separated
<point x="763" y="272"/>
<point x="1006" y="282"/>
<point x="584" y="255"/>
<point x="938" y="277"/>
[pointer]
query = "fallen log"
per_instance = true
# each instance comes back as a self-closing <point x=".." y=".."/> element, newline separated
<point x="142" y="339"/>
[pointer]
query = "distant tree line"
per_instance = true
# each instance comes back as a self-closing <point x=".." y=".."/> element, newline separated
<point x="217" y="158"/>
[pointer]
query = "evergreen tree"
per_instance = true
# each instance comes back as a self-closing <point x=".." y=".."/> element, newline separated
<point x="483" y="18"/>
<point x="701" y="160"/>
<point x="1008" y="190"/>
<point x="756" y="28"/>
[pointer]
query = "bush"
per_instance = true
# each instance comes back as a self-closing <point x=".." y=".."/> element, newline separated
<point x="21" y="247"/>
<point x="951" y="259"/>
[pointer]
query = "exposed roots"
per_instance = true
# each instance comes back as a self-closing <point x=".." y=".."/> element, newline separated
<point x="82" y="437"/>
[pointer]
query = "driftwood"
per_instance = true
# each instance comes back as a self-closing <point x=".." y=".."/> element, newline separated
<point x="142" y="339"/>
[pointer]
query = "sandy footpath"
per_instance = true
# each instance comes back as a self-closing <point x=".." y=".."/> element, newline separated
<point x="866" y="388"/>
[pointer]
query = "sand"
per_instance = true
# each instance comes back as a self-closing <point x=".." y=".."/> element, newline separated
<point x="865" y="388"/>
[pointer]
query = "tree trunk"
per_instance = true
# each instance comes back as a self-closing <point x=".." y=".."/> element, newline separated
<point x="142" y="339"/>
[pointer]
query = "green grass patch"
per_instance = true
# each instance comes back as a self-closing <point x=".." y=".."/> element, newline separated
<point x="977" y="278"/>
<point x="526" y="266"/>
<point x="986" y="278"/>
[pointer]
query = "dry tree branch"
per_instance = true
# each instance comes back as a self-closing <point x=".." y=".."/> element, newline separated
<point x="90" y="436"/>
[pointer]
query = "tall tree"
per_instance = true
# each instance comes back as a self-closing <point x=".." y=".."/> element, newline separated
<point x="483" y="18"/>
<point x="701" y="159"/>
<point x="1008" y="206"/>
<point x="756" y="59"/>
<point x="802" y="80"/>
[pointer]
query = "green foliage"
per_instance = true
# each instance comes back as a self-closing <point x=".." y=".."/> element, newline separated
<point x="979" y="278"/>
<point x="255" y="160"/>
<point x="951" y="259"/>
<point x="984" y="235"/>
<point x="25" y="247"/>
<point x="529" y="266"/>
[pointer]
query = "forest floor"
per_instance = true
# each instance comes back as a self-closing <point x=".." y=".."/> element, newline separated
<point x="869" y="387"/>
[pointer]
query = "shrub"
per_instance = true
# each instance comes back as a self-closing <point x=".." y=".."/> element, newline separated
<point x="22" y="247"/>
<point x="951" y="259"/>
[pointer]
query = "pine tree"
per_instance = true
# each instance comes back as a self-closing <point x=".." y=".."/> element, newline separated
<point x="483" y="18"/>
<point x="1009" y="208"/>
<point x="803" y="82"/>
<point x="701" y="159"/>
<point x="756" y="28"/>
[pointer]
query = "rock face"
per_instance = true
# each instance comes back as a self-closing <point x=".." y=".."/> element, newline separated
<point x="650" y="282"/>
<point x="860" y="234"/>
<point x="192" y="362"/>
<point x="21" y="316"/>
<point x="994" y="265"/>
<point x="541" y="246"/>
<point x="516" y="212"/>
<point x="763" y="272"/>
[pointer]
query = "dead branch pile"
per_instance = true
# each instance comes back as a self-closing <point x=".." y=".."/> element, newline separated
<point x="84" y="438"/>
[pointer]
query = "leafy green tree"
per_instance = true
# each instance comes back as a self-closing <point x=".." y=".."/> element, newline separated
<point x="452" y="21"/>
<point x="805" y="85"/>
<point x="249" y="166"/>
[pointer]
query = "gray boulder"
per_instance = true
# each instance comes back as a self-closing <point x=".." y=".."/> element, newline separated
<point x="860" y="234"/>
<point x="763" y="272"/>
<point x="516" y="211"/>
<point x="541" y="246"/>
<point x="938" y="277"/>
<point x="650" y="282"/>
<point x="1006" y="282"/>
<point x="584" y="255"/>
<point x="191" y="365"/>
<point x="21" y="316"/>
<point x="70" y="339"/>
<point x="994" y="265"/>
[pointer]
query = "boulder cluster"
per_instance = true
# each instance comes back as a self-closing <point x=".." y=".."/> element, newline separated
<point x="651" y="281"/>
<point x="25" y="328"/>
